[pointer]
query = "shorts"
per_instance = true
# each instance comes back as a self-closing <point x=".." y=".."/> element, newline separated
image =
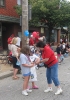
<point x="14" y="59"/>
<point x="28" y="74"/>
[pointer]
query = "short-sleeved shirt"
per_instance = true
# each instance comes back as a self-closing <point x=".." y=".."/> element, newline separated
<point x="24" y="60"/>
<point x="49" y="53"/>
<point x="18" y="41"/>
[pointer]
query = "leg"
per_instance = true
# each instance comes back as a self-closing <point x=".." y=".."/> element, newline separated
<point x="25" y="84"/>
<point x="26" y="80"/>
<point x="54" y="73"/>
<point x="49" y="80"/>
<point x="34" y="86"/>
<point x="15" y="73"/>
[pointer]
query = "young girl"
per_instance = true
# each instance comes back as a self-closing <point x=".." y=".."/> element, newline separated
<point x="33" y="77"/>
<point x="38" y="54"/>
<point x="25" y="68"/>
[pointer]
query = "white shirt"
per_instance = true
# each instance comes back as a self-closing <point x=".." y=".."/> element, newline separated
<point x="18" y="41"/>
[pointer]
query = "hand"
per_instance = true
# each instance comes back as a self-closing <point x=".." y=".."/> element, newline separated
<point x="31" y="65"/>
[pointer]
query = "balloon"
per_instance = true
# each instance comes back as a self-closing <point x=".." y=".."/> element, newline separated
<point x="26" y="33"/>
<point x="34" y="34"/>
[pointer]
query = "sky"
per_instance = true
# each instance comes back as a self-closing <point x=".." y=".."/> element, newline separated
<point x="68" y="0"/>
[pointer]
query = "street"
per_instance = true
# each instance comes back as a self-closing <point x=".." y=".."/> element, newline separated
<point x="11" y="89"/>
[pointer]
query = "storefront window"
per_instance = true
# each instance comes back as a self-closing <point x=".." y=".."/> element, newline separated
<point x="2" y="3"/>
<point x="19" y="2"/>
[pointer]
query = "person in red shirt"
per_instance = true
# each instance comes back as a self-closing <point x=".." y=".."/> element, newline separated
<point x="31" y="41"/>
<point x="50" y="61"/>
<point x="9" y="41"/>
<point x="37" y="38"/>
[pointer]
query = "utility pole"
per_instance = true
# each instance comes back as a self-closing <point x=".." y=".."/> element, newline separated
<point x="24" y="20"/>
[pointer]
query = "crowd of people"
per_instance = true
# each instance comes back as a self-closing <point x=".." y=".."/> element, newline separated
<point x="37" y="54"/>
<point x="63" y="49"/>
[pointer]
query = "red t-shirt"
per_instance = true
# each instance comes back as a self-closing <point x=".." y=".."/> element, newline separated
<point x="9" y="40"/>
<point x="49" y="53"/>
<point x="31" y="42"/>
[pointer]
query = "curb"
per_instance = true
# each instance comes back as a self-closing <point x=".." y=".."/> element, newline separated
<point x="5" y="74"/>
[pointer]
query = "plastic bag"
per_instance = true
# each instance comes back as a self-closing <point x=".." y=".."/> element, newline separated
<point x="33" y="76"/>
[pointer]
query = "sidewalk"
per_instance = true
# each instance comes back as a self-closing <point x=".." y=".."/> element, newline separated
<point x="5" y="70"/>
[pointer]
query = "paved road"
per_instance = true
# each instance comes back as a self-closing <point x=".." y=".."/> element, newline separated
<point x="11" y="89"/>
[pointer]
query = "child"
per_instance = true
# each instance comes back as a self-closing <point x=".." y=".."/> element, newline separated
<point x="25" y="68"/>
<point x="38" y="54"/>
<point x="33" y="77"/>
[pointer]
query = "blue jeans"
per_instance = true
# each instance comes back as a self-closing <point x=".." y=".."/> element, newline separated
<point x="52" y="75"/>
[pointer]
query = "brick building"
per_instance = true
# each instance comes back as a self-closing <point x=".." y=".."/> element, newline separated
<point x="9" y="21"/>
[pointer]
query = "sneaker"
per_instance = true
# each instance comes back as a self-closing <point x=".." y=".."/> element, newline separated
<point x="35" y="87"/>
<point x="59" y="91"/>
<point x="29" y="90"/>
<point x="25" y="93"/>
<point x="48" y="90"/>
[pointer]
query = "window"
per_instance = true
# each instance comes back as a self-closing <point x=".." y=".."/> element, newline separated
<point x="19" y="2"/>
<point x="2" y="2"/>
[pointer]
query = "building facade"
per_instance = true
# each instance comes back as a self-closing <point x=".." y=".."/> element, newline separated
<point x="9" y="21"/>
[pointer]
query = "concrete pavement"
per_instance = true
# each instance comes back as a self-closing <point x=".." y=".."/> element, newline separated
<point x="5" y="70"/>
<point x="11" y="89"/>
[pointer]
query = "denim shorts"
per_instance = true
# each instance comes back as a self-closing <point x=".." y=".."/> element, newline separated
<point x="28" y="74"/>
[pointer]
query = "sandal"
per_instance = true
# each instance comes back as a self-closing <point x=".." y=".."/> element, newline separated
<point x="15" y="78"/>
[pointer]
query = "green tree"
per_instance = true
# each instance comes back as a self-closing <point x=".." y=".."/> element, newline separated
<point x="18" y="9"/>
<point x="53" y="13"/>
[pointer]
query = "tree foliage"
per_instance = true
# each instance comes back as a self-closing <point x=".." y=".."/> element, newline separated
<point x="53" y="13"/>
<point x="18" y="9"/>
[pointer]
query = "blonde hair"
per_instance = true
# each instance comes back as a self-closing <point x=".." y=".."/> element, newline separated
<point x="14" y="40"/>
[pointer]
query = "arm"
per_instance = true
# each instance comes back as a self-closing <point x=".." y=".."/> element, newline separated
<point x="41" y="61"/>
<point x="37" y="61"/>
<point x="44" y="60"/>
<point x="28" y="65"/>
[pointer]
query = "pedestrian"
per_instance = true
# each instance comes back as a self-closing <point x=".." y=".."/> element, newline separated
<point x="38" y="54"/>
<point x="9" y="41"/>
<point x="15" y="55"/>
<point x="26" y="65"/>
<point x="51" y="63"/>
<point x="59" y="51"/>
